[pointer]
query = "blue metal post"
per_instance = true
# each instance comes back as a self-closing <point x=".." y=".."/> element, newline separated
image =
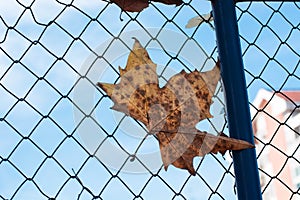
<point x="238" y="113"/>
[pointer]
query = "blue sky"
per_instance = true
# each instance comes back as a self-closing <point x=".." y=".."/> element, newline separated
<point x="54" y="95"/>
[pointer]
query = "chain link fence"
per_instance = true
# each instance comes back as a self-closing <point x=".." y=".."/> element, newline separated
<point x="61" y="140"/>
<point x="271" y="57"/>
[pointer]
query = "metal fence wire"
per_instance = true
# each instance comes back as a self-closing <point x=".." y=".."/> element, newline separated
<point x="59" y="139"/>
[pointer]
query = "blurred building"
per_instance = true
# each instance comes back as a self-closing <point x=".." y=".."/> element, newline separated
<point x="276" y="125"/>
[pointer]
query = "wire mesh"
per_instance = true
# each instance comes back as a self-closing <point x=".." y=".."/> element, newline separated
<point x="44" y="49"/>
<point x="271" y="57"/>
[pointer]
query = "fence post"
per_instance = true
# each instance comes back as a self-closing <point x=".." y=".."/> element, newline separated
<point x="238" y="113"/>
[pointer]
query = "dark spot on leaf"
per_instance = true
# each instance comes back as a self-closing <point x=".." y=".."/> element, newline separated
<point x="136" y="95"/>
<point x="179" y="81"/>
<point x="142" y="92"/>
<point x="137" y="67"/>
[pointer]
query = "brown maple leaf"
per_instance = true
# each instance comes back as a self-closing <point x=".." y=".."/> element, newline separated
<point x="139" y="5"/>
<point x="132" y="94"/>
<point x="171" y="112"/>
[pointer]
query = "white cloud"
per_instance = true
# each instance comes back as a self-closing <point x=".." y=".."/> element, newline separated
<point x="10" y="11"/>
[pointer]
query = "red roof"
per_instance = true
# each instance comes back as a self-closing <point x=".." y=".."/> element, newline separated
<point x="290" y="95"/>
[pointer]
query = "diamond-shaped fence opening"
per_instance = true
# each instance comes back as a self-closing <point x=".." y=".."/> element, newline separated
<point x="59" y="137"/>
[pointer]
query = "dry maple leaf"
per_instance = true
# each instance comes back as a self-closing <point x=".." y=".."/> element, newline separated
<point x="171" y="112"/>
<point x="136" y="85"/>
<point x="139" y="5"/>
